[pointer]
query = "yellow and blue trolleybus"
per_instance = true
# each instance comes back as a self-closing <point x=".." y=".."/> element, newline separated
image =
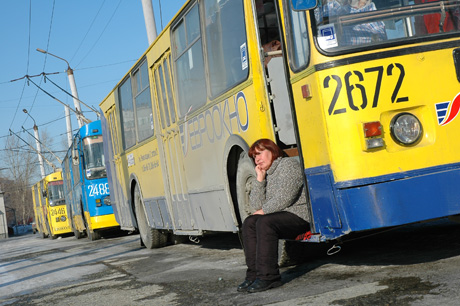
<point x="86" y="188"/>
<point x="364" y="93"/>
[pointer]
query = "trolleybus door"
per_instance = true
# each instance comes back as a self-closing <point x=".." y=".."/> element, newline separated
<point x="174" y="172"/>
<point x="115" y="170"/>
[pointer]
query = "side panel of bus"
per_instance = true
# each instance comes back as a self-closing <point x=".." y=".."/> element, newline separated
<point x="195" y="148"/>
<point x="121" y="202"/>
<point x="73" y="189"/>
<point x="186" y="172"/>
<point x="40" y="216"/>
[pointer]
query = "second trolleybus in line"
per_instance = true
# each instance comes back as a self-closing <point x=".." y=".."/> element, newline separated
<point x="366" y="96"/>
<point x="49" y="206"/>
<point x="86" y="188"/>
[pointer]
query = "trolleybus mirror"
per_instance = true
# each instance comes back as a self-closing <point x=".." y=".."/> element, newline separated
<point x="300" y="5"/>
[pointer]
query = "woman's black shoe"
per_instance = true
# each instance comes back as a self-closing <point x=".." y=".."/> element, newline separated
<point x="261" y="285"/>
<point x="243" y="287"/>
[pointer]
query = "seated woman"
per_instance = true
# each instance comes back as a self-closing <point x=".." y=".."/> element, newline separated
<point x="279" y="199"/>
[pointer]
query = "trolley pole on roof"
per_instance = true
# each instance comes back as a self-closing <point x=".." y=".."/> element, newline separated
<point x="69" y="125"/>
<point x="73" y="87"/>
<point x="149" y="18"/>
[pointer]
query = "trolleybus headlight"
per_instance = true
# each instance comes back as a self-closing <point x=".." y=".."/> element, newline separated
<point x="107" y="201"/>
<point x="406" y="129"/>
<point x="63" y="218"/>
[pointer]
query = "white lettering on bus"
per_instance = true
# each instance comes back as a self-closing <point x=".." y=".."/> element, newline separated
<point x="213" y="123"/>
<point x="98" y="189"/>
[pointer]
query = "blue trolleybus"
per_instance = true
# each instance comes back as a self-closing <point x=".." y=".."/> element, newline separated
<point x="85" y="184"/>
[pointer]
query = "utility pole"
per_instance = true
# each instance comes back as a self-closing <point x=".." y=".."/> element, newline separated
<point x="149" y="18"/>
<point x="37" y="141"/>
<point x="39" y="154"/>
<point x="73" y="87"/>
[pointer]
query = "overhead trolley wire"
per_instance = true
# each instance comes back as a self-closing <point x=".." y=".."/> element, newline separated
<point x="97" y="40"/>
<point x="89" y="29"/>
<point x="28" y="61"/>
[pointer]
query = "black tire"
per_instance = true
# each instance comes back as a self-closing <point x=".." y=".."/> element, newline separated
<point x="245" y="176"/>
<point x="93" y="235"/>
<point x="77" y="234"/>
<point x="42" y="235"/>
<point x="151" y="238"/>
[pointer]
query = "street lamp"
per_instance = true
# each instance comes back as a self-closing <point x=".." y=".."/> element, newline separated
<point x="27" y="113"/>
<point x="73" y="87"/>
<point x="37" y="142"/>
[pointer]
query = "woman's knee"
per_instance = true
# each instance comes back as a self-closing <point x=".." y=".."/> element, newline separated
<point x="265" y="224"/>
<point x="250" y="222"/>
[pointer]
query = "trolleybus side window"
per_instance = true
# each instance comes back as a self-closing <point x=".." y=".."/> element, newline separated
<point x="169" y="90"/>
<point x="143" y="104"/>
<point x="164" y="116"/>
<point x="162" y="96"/>
<point x="113" y="133"/>
<point x="127" y="114"/>
<point x="188" y="56"/>
<point x="136" y="107"/>
<point x="297" y="38"/>
<point x="226" y="48"/>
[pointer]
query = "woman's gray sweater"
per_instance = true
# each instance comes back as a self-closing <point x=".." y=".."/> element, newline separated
<point x="282" y="189"/>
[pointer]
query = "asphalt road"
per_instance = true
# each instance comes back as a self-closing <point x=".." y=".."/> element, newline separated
<point x="413" y="265"/>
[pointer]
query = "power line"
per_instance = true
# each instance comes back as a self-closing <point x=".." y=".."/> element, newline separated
<point x="97" y="40"/>
<point x="44" y="63"/>
<point x="91" y="25"/>
<point x="75" y="111"/>
<point x="88" y="106"/>
<point x="46" y="123"/>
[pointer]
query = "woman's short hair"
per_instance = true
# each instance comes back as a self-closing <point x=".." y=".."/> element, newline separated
<point x="265" y="144"/>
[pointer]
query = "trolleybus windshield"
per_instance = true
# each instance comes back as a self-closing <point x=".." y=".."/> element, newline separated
<point x="56" y="193"/>
<point x="94" y="157"/>
<point x="344" y="25"/>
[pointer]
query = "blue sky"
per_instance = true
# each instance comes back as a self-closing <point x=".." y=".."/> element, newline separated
<point x="101" y="39"/>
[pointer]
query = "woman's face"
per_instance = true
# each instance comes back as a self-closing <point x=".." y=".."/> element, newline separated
<point x="263" y="158"/>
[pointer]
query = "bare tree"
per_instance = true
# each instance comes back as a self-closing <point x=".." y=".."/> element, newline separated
<point x="22" y="168"/>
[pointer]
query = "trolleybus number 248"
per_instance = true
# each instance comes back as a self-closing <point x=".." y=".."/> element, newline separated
<point x="98" y="189"/>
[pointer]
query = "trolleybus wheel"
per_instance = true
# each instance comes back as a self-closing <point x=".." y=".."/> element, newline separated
<point x="93" y="235"/>
<point x="77" y="233"/>
<point x="151" y="238"/>
<point x="245" y="176"/>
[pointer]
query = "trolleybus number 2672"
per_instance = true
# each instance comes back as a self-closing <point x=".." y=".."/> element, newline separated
<point x="362" y="89"/>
